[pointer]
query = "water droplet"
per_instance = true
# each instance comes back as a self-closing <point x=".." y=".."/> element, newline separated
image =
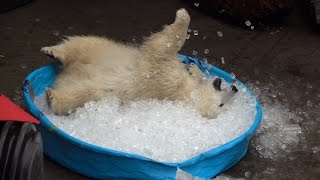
<point x="247" y="174"/>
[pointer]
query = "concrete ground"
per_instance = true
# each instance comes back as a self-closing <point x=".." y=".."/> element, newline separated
<point x="288" y="54"/>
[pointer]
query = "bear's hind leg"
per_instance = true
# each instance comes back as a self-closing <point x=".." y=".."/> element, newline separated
<point x="57" y="52"/>
<point x="64" y="100"/>
<point x="171" y="38"/>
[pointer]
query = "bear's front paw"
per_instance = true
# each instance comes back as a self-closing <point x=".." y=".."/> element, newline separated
<point x="52" y="101"/>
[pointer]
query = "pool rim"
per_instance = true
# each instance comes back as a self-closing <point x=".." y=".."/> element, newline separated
<point x="46" y="123"/>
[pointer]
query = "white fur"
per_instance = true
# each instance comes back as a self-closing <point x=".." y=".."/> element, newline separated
<point x="96" y="67"/>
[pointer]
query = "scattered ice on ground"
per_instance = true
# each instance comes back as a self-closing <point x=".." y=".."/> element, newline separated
<point x="219" y="33"/>
<point x="315" y="149"/>
<point x="277" y="134"/>
<point x="226" y="177"/>
<point x="247" y="174"/>
<point x="161" y="130"/>
<point x="206" y="51"/>
<point x="182" y="175"/>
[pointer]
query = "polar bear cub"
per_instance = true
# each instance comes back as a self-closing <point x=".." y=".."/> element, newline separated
<point x="96" y="67"/>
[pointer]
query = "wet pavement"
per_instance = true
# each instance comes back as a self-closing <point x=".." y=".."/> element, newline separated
<point x="284" y="60"/>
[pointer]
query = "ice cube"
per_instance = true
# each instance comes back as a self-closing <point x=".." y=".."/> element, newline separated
<point x="248" y="23"/>
<point x="222" y="60"/>
<point x="195" y="32"/>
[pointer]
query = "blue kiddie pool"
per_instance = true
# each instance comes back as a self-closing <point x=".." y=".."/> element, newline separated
<point x="102" y="163"/>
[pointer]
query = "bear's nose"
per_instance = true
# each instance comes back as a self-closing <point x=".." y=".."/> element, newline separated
<point x="217" y="84"/>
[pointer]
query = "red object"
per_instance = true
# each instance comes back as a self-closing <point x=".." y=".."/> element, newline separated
<point x="11" y="112"/>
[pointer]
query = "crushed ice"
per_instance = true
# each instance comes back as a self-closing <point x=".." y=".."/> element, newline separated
<point x="277" y="134"/>
<point x="161" y="130"/>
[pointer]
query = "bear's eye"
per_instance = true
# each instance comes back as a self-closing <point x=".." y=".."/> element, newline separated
<point x="217" y="84"/>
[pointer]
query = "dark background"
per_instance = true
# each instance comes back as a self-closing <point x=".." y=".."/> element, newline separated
<point x="288" y="53"/>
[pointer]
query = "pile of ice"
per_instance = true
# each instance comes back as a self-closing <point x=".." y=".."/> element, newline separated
<point x="279" y="131"/>
<point x="182" y="175"/>
<point x="161" y="130"/>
